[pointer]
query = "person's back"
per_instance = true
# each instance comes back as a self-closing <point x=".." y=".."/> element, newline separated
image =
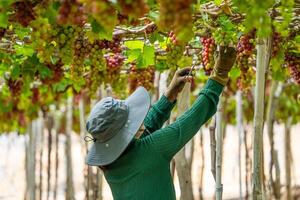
<point x="140" y="173"/>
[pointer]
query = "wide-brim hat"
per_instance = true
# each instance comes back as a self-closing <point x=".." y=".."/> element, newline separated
<point x="104" y="153"/>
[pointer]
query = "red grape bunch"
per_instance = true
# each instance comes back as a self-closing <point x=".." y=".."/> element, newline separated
<point x="141" y="77"/>
<point x="245" y="48"/>
<point x="114" y="63"/>
<point x="276" y="43"/>
<point x="207" y="54"/>
<point x="293" y="64"/>
<point x="174" y="51"/>
<point x="15" y="87"/>
<point x="71" y="12"/>
<point x="57" y="73"/>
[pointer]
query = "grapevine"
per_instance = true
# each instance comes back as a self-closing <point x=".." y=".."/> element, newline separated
<point x="276" y="43"/>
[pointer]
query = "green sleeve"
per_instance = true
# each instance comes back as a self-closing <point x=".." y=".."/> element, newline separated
<point x="158" y="114"/>
<point x="169" y="140"/>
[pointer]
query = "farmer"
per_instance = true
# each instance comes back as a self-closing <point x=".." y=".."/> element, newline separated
<point x="131" y="146"/>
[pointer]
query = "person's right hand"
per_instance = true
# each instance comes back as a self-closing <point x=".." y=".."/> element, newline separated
<point x="180" y="77"/>
<point x="223" y="63"/>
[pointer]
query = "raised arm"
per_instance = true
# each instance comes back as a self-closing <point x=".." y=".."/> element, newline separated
<point x="158" y="114"/>
<point x="169" y="140"/>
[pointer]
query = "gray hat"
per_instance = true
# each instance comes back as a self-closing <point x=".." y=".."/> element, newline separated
<point x="113" y="123"/>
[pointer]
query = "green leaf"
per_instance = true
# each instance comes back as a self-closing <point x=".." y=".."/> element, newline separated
<point x="25" y="50"/>
<point x="234" y="73"/>
<point x="3" y="19"/>
<point x="61" y="86"/>
<point x="134" y="44"/>
<point x="52" y="12"/>
<point x="185" y="61"/>
<point x="133" y="55"/>
<point x="16" y="71"/>
<point x="148" y="55"/>
<point x="22" y="32"/>
<point x="44" y="71"/>
<point x="156" y="37"/>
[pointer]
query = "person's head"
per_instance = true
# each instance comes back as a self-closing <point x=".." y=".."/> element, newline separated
<point x="113" y="124"/>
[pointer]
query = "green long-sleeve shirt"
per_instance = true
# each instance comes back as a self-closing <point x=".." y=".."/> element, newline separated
<point x="142" y="172"/>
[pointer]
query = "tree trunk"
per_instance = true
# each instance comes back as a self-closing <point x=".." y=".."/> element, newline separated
<point x="262" y="61"/>
<point x="41" y="157"/>
<point x="182" y="164"/>
<point x="99" y="184"/>
<point x="288" y="158"/>
<point x="68" y="151"/>
<point x="56" y="128"/>
<point x="239" y="118"/>
<point x="31" y="151"/>
<point x="202" y="166"/>
<point x="49" y="128"/>
<point x="219" y="149"/>
<point x="276" y="89"/>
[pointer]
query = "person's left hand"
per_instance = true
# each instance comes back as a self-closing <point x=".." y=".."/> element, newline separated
<point x="179" y="79"/>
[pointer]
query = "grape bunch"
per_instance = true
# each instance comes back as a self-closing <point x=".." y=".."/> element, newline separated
<point x="72" y="12"/>
<point x="113" y="66"/>
<point x="178" y="16"/>
<point x="141" y="77"/>
<point x="133" y="8"/>
<point x="175" y="51"/>
<point x="207" y="54"/>
<point x="224" y="37"/>
<point x="245" y="48"/>
<point x="81" y="49"/>
<point x="293" y="64"/>
<point x="276" y="43"/>
<point x="114" y="45"/>
<point x="23" y="13"/>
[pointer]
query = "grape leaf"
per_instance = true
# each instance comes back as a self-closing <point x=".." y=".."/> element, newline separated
<point x="134" y="44"/>
<point x="133" y="55"/>
<point x="26" y="50"/>
<point x="148" y="55"/>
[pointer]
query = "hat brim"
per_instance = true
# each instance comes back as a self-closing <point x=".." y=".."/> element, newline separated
<point x="101" y="154"/>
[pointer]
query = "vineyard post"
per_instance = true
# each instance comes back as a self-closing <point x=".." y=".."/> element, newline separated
<point x="262" y="61"/>
<point x="239" y="114"/>
<point x="276" y="89"/>
<point x="182" y="164"/>
<point x="288" y="157"/>
<point x="68" y="151"/>
<point x="219" y="148"/>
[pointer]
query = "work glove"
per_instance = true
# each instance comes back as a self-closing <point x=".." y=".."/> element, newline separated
<point x="180" y="77"/>
<point x="224" y="61"/>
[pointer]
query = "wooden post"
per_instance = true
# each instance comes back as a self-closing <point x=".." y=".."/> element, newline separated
<point x="276" y="89"/>
<point x="262" y="61"/>
<point x="182" y="164"/>
<point x="288" y="158"/>
<point x="239" y="118"/>
<point x="219" y="149"/>
<point x="68" y="150"/>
